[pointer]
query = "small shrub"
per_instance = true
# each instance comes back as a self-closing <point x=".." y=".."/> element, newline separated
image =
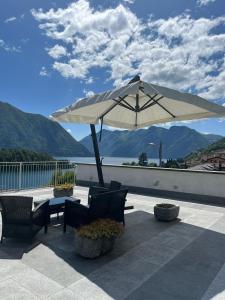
<point x="65" y="186"/>
<point x="61" y="178"/>
<point x="101" y="228"/>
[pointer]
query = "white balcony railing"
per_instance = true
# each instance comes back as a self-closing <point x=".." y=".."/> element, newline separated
<point x="28" y="175"/>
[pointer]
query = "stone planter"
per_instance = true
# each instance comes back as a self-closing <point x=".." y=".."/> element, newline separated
<point x="62" y="192"/>
<point x="89" y="248"/>
<point x="166" y="212"/>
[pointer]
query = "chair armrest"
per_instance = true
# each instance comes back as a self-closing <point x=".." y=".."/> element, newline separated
<point x="40" y="213"/>
<point x="39" y="205"/>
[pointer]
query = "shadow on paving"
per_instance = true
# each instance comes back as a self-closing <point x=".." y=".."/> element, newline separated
<point x="152" y="260"/>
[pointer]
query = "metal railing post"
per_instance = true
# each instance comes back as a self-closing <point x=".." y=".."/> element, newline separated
<point x="20" y="176"/>
<point x="56" y="169"/>
<point x="74" y="176"/>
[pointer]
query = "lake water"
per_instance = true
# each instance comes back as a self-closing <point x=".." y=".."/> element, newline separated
<point x="106" y="160"/>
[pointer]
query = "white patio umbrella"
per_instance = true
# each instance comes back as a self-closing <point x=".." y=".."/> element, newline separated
<point x="135" y="105"/>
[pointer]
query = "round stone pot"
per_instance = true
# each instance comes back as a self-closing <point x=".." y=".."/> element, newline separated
<point x="89" y="248"/>
<point x="166" y="212"/>
<point x="62" y="193"/>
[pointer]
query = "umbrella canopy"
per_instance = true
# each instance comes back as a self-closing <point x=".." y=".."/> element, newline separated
<point x="138" y="104"/>
<point x="135" y="105"/>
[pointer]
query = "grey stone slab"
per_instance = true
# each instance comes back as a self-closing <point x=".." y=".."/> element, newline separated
<point x="152" y="260"/>
<point x="52" y="265"/>
<point x="86" y="289"/>
<point x="64" y="294"/>
<point x="37" y="283"/>
<point x="10" y="290"/>
<point x="9" y="268"/>
<point x="135" y="217"/>
<point x="189" y="274"/>
<point x="216" y="289"/>
<point x="125" y="273"/>
<point x="15" y="249"/>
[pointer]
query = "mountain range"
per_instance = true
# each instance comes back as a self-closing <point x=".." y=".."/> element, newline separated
<point x="36" y="132"/>
<point x="177" y="142"/>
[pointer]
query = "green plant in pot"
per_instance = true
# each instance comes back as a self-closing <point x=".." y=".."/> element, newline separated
<point x="63" y="190"/>
<point x="97" y="238"/>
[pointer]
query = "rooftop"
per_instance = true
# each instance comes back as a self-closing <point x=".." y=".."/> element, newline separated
<point x="184" y="259"/>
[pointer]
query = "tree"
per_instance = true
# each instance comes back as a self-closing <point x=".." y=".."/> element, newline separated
<point x="143" y="159"/>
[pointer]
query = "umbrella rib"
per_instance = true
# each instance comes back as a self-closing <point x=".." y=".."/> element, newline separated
<point x="114" y="105"/>
<point x="156" y="102"/>
<point x="147" y="102"/>
<point x="128" y="106"/>
<point x="172" y="115"/>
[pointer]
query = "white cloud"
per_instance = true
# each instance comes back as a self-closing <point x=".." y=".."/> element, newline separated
<point x="129" y="1"/>
<point x="88" y="93"/>
<point x="44" y="72"/>
<point x="180" y="52"/>
<point x="57" y="51"/>
<point x="204" y="2"/>
<point x="11" y="19"/>
<point x="89" y="80"/>
<point x="8" y="48"/>
<point x="69" y="131"/>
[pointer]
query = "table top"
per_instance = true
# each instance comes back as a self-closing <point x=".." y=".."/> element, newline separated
<point x="59" y="201"/>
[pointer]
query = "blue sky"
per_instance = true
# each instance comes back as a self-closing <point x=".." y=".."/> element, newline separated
<point x="54" y="52"/>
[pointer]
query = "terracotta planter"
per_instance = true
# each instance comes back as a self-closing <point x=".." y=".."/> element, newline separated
<point x="89" y="248"/>
<point x="62" y="192"/>
<point x="166" y="212"/>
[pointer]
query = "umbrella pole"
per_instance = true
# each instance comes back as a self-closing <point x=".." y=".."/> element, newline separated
<point x="97" y="155"/>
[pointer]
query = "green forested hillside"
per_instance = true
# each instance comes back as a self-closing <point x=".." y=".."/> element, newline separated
<point x="211" y="149"/>
<point x="19" y="155"/>
<point x="36" y="132"/>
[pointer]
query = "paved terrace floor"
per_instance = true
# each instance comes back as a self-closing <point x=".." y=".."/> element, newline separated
<point x="152" y="260"/>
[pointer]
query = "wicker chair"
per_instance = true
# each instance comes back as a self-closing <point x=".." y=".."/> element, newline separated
<point x="93" y="190"/>
<point x="104" y="205"/>
<point x="18" y="218"/>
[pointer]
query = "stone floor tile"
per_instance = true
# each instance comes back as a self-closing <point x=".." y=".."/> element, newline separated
<point x="64" y="294"/>
<point x="37" y="283"/>
<point x="10" y="267"/>
<point x="11" y="290"/>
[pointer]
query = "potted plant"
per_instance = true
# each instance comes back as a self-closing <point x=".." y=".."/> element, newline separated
<point x="166" y="212"/>
<point x="97" y="238"/>
<point x="63" y="190"/>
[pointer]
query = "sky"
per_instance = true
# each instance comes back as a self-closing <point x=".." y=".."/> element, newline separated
<point x="55" y="52"/>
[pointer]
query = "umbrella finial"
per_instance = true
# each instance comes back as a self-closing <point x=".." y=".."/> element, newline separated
<point x="135" y="79"/>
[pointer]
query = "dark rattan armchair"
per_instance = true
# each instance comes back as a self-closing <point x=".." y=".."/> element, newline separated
<point x="18" y="218"/>
<point x="93" y="190"/>
<point x="104" y="205"/>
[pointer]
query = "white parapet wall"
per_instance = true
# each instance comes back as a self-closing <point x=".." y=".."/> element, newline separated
<point x="174" y="180"/>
